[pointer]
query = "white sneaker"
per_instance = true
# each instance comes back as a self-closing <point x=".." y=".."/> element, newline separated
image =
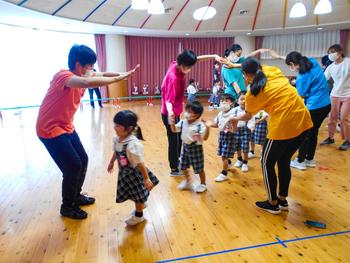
<point x="200" y="188"/>
<point x="134" y="220"/>
<point x="211" y="107"/>
<point x="221" y="177"/>
<point x="238" y="164"/>
<point x="251" y="155"/>
<point x="296" y="164"/>
<point x="338" y="128"/>
<point x="244" y="168"/>
<point x="184" y="185"/>
<point x="310" y="163"/>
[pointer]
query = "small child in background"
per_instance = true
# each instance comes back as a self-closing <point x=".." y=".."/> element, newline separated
<point x="135" y="90"/>
<point x="135" y="181"/>
<point x="227" y="144"/>
<point x="215" y="97"/>
<point x="145" y="89"/>
<point x="156" y="89"/>
<point x="259" y="131"/>
<point x="242" y="135"/>
<point x="192" y="90"/>
<point x="193" y="133"/>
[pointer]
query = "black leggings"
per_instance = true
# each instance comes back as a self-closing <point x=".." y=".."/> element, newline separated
<point x="308" y="147"/>
<point x="98" y="94"/>
<point x="280" y="152"/>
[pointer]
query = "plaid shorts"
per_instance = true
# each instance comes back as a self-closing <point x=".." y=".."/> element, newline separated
<point x="227" y="144"/>
<point x="259" y="134"/>
<point x="242" y="138"/>
<point x="192" y="154"/>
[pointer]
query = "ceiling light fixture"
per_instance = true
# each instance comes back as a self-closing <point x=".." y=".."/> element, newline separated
<point x="204" y="13"/>
<point x="139" y="4"/>
<point x="298" y="10"/>
<point x="156" y="7"/>
<point x="323" y="7"/>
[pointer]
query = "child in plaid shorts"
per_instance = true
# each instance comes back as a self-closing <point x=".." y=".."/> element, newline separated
<point x="227" y="143"/>
<point x="242" y="135"/>
<point x="259" y="131"/>
<point x="135" y="181"/>
<point x="193" y="133"/>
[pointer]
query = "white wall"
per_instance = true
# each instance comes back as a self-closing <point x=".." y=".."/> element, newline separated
<point x="116" y="55"/>
<point x="246" y="42"/>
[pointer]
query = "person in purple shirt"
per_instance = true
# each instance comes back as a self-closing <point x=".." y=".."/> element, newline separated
<point x="173" y="91"/>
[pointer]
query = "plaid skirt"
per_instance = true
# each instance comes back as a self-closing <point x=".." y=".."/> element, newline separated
<point x="131" y="185"/>
<point x="227" y="144"/>
<point x="214" y="99"/>
<point x="192" y="155"/>
<point x="259" y="134"/>
<point x="242" y="138"/>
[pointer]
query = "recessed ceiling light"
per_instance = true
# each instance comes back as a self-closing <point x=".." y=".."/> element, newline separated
<point x="249" y="33"/>
<point x="319" y="28"/>
<point x="298" y="10"/>
<point x="204" y="13"/>
<point x="243" y="12"/>
<point x="126" y="31"/>
<point x="187" y="34"/>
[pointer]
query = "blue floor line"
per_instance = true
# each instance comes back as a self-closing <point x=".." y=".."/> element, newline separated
<point x="278" y="242"/>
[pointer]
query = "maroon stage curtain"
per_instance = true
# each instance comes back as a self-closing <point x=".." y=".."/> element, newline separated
<point x="258" y="44"/>
<point x="344" y="38"/>
<point x="156" y="54"/>
<point x="100" y="42"/>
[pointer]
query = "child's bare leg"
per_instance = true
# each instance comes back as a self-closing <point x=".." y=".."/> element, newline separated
<point x="186" y="174"/>
<point x="139" y="207"/>
<point x="252" y="146"/>
<point x="224" y="163"/>
<point x="245" y="157"/>
<point x="202" y="177"/>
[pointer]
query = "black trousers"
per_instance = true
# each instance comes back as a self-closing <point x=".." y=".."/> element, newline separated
<point x="308" y="147"/>
<point x="70" y="156"/>
<point x="98" y="94"/>
<point x="174" y="143"/>
<point x="280" y="152"/>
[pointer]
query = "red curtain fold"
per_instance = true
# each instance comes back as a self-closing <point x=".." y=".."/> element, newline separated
<point x="258" y="44"/>
<point x="344" y="39"/>
<point x="100" y="42"/>
<point x="156" y="54"/>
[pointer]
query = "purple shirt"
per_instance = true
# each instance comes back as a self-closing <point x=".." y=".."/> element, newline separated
<point x="173" y="89"/>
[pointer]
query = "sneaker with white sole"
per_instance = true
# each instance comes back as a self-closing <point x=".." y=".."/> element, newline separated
<point x="266" y="206"/>
<point x="238" y="164"/>
<point x="200" y="188"/>
<point x="251" y="155"/>
<point x="184" y="185"/>
<point x="310" y="163"/>
<point x="221" y="177"/>
<point x="344" y="146"/>
<point x="175" y="172"/>
<point x="282" y="204"/>
<point x="244" y="168"/>
<point x="134" y="220"/>
<point x="296" y="164"/>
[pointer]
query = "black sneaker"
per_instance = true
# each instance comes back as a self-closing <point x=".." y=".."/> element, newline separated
<point x="73" y="212"/>
<point x="85" y="200"/>
<point x="344" y="146"/>
<point x="283" y="204"/>
<point x="175" y="172"/>
<point x="327" y="141"/>
<point x="265" y="205"/>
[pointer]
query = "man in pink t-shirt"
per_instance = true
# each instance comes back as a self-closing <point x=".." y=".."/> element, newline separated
<point x="173" y="92"/>
<point x="55" y="127"/>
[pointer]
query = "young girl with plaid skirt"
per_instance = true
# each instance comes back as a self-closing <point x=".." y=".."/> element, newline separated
<point x="193" y="133"/>
<point x="259" y="131"/>
<point x="135" y="181"/>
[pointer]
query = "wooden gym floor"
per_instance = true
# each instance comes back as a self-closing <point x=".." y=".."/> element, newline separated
<point x="221" y="225"/>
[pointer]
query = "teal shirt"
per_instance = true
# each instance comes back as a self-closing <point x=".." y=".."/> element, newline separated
<point x="230" y="75"/>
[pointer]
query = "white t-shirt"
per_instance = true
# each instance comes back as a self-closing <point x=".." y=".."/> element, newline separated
<point x="216" y="90"/>
<point x="221" y="120"/>
<point x="191" y="89"/>
<point x="191" y="132"/>
<point x="134" y="149"/>
<point x="340" y="73"/>
<point x="238" y="111"/>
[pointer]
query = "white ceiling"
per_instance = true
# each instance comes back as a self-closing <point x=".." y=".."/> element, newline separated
<point x="115" y="16"/>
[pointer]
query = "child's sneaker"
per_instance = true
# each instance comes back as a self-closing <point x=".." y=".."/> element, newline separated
<point x="327" y="141"/>
<point x="283" y="204"/>
<point x="266" y="206"/>
<point x="344" y="146"/>
<point x="211" y="107"/>
<point x="238" y="164"/>
<point x="221" y="177"/>
<point x="200" y="188"/>
<point x="244" y="168"/>
<point x="310" y="163"/>
<point x="134" y="220"/>
<point x="295" y="164"/>
<point x="251" y="155"/>
<point x="184" y="185"/>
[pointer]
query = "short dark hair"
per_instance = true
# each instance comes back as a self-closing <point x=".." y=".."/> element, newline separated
<point x="326" y="61"/>
<point x="187" y="58"/>
<point x="227" y="96"/>
<point x="337" y="48"/>
<point x="191" y="81"/>
<point x="235" y="47"/>
<point x="297" y="58"/>
<point x="82" y="54"/>
<point x="127" y="118"/>
<point x="195" y="106"/>
<point x="216" y="81"/>
<point x="227" y="53"/>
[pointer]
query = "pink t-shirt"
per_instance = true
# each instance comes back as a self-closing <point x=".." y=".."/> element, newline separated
<point x="173" y="89"/>
<point x="56" y="113"/>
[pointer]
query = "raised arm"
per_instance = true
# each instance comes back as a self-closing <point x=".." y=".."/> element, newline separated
<point x="275" y="55"/>
<point x="207" y="57"/>
<point x="256" y="52"/>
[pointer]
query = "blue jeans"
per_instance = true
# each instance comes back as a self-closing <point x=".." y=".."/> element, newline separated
<point x="191" y="97"/>
<point x="70" y="156"/>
